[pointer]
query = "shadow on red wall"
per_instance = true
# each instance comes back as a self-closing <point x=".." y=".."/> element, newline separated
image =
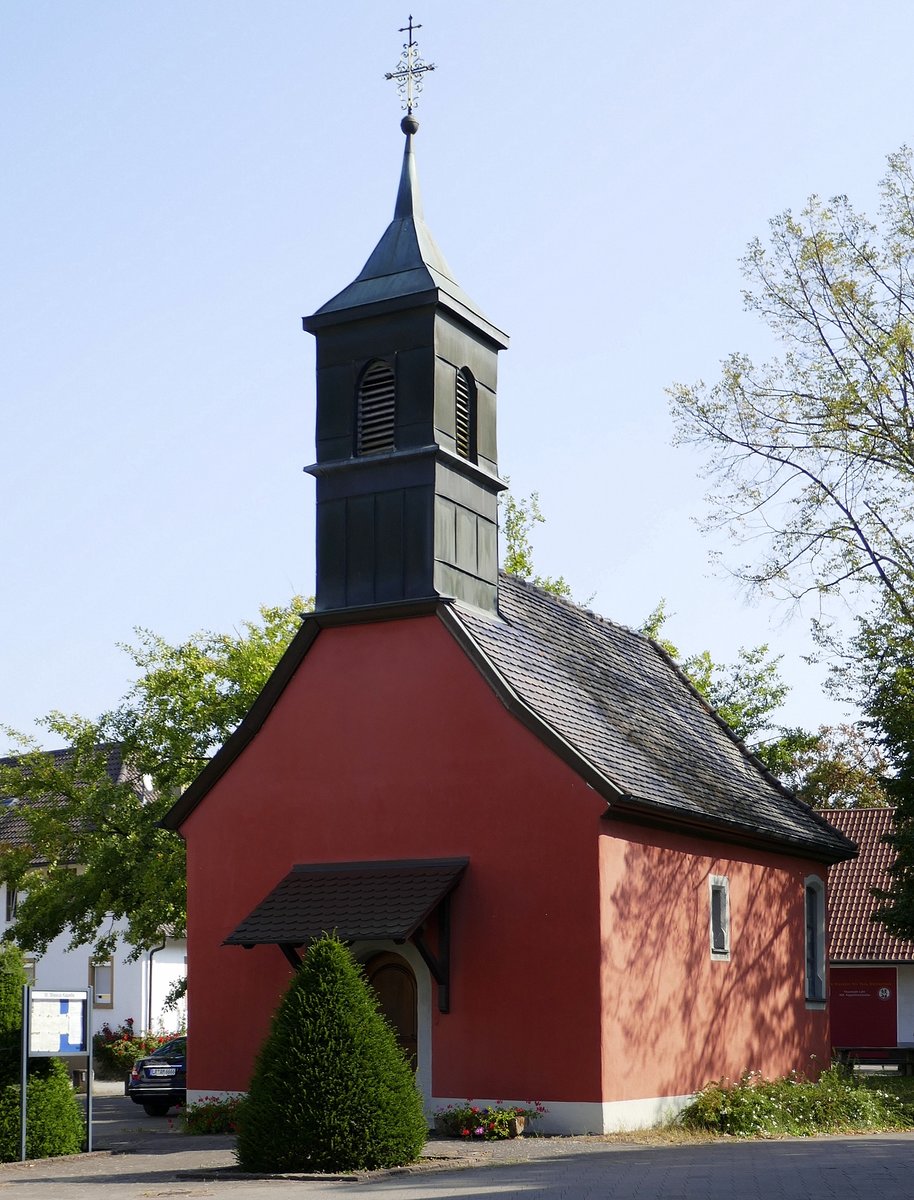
<point x="679" y="1019"/>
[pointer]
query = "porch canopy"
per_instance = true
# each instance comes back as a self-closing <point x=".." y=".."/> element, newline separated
<point x="359" y="901"/>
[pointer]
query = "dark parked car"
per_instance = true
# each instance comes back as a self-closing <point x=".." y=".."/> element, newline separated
<point x="159" y="1081"/>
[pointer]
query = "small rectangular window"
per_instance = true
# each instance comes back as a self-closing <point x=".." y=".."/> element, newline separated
<point x="720" y="917"/>
<point x="101" y="980"/>
<point x="12" y="901"/>
<point x="815" y="940"/>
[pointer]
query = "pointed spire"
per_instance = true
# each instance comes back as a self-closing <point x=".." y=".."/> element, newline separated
<point x="409" y="202"/>
<point x="406" y="265"/>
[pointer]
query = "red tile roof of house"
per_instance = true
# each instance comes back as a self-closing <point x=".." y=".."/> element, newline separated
<point x="854" y="935"/>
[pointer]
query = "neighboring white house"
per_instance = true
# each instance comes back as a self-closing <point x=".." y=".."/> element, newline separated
<point x="122" y="989"/>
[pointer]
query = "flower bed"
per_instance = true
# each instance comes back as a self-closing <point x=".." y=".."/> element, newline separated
<point x="212" y="1114"/>
<point x="757" y="1107"/>
<point x="490" y="1122"/>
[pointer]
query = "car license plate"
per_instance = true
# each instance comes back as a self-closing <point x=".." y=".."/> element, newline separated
<point x="160" y="1070"/>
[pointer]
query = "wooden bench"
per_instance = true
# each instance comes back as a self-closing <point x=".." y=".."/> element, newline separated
<point x="901" y="1057"/>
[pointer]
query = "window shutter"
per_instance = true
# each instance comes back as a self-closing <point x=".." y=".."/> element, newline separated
<point x="377" y="410"/>
<point x="464" y="408"/>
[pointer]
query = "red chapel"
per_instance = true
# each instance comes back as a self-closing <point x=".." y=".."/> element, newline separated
<point x="565" y="876"/>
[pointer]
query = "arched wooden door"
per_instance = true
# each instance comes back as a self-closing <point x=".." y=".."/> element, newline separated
<point x="395" y="984"/>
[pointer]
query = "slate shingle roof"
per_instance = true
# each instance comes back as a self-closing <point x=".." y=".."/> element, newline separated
<point x="610" y="701"/>
<point x="371" y="900"/>
<point x="854" y="935"/>
<point x="621" y="702"/>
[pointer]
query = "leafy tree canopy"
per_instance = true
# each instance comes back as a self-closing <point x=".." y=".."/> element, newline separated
<point x="882" y="660"/>
<point x="813" y="452"/>
<point x="833" y="767"/>
<point x="812" y="455"/>
<point x="518" y="520"/>
<point x="93" y="848"/>
<point x="840" y="766"/>
<point x="745" y="693"/>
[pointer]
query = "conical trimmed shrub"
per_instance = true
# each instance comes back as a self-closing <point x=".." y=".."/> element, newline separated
<point x="332" y="1090"/>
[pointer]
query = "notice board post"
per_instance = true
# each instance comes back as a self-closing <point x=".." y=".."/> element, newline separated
<point x="54" y="1025"/>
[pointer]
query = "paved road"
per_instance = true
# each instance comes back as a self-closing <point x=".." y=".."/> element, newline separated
<point x="151" y="1159"/>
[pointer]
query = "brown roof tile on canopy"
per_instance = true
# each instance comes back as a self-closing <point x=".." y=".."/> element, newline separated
<point x="854" y="935"/>
<point x="372" y="901"/>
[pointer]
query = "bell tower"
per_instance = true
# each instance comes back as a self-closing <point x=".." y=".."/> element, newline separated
<point x="407" y="467"/>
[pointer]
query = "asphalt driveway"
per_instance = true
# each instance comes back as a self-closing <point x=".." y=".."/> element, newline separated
<point x="143" y="1157"/>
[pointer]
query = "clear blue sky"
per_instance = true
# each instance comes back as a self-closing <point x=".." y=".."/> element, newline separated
<point x="183" y="181"/>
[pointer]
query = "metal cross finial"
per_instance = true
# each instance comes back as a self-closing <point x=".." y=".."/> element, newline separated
<point x="410" y="70"/>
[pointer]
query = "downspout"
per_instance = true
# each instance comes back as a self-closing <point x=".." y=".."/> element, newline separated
<point x="153" y="951"/>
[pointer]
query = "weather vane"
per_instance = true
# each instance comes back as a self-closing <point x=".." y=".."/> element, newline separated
<point x="410" y="70"/>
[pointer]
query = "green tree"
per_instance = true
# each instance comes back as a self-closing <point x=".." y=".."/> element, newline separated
<point x="834" y="767"/>
<point x="812" y="455"/>
<point x="332" y="1090"/>
<point x="185" y="702"/>
<point x="746" y="693"/>
<point x="813" y="451"/>
<point x="841" y="766"/>
<point x="519" y="518"/>
<point x="883" y="659"/>
<point x="12" y="981"/>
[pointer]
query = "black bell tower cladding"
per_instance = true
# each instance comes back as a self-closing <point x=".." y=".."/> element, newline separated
<point x="407" y="467"/>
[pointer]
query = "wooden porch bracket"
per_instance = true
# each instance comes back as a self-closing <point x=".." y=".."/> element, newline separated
<point x="440" y="965"/>
<point x="294" y="958"/>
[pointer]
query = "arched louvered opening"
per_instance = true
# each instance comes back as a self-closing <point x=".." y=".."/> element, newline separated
<point x="466" y="415"/>
<point x="377" y="410"/>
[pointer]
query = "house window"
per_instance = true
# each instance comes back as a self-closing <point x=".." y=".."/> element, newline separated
<point x="12" y="901"/>
<point x="720" y="916"/>
<point x="466" y="415"/>
<point x="101" y="980"/>
<point x="376" y="410"/>
<point x="815" y="939"/>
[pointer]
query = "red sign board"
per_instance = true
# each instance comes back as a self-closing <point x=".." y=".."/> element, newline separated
<point x="864" y="1006"/>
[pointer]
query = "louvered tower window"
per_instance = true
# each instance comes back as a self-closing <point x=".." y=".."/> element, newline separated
<point x="466" y="415"/>
<point x="377" y="410"/>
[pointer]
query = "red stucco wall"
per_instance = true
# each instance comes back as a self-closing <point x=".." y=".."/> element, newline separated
<point x="389" y="744"/>
<point x="682" y="1018"/>
<point x="580" y="959"/>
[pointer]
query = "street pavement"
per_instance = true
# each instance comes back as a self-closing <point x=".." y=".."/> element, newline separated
<point x="146" y="1157"/>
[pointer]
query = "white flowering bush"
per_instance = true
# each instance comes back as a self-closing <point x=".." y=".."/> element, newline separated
<point x="836" y="1102"/>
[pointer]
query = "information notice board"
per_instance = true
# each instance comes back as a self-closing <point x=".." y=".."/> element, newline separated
<point x="58" y="1023"/>
<point x="54" y="1025"/>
